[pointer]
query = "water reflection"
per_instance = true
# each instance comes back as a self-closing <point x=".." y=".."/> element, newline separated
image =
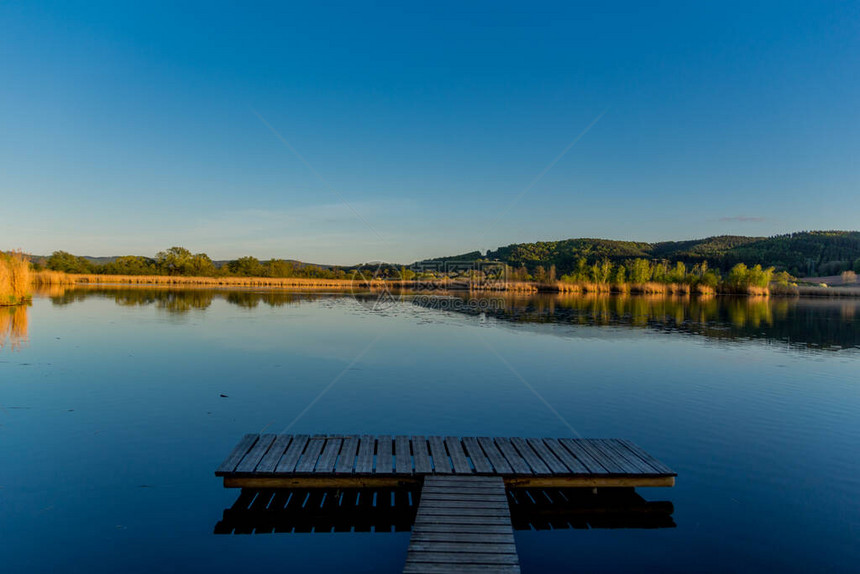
<point x="827" y="324"/>
<point x="798" y="323"/>
<point x="261" y="511"/>
<point x="14" y="324"/>
<point x="174" y="300"/>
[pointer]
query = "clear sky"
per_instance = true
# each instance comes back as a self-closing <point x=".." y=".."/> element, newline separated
<point x="342" y="133"/>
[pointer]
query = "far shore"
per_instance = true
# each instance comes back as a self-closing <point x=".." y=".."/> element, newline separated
<point x="302" y="283"/>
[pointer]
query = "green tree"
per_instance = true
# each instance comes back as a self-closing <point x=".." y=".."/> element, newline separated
<point x="640" y="271"/>
<point x="246" y="267"/>
<point x="63" y="261"/>
<point x="738" y="276"/>
<point x="200" y="265"/>
<point x="130" y="265"/>
<point x="278" y="268"/>
<point x="173" y="261"/>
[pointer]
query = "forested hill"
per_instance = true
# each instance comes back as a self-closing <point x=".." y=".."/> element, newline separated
<point x="801" y="254"/>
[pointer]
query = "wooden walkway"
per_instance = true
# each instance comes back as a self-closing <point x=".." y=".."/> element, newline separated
<point x="323" y="461"/>
<point x="463" y="525"/>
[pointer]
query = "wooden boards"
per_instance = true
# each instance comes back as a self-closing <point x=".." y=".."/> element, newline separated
<point x="463" y="525"/>
<point x="277" y="461"/>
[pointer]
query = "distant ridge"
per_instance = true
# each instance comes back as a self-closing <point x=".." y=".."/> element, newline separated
<point x="805" y="253"/>
<point x="801" y="254"/>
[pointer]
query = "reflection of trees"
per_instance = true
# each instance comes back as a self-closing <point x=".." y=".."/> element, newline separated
<point x="13" y="326"/>
<point x="175" y="300"/>
<point x="813" y="323"/>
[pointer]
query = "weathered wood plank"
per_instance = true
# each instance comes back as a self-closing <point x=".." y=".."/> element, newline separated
<point x="270" y="461"/>
<point x="456" y="537"/>
<point x="291" y="457"/>
<point x="434" y="528"/>
<point x="424" y="568"/>
<point x="570" y="461"/>
<point x="255" y="455"/>
<point x="366" y="450"/>
<point x="634" y="462"/>
<point x="458" y="457"/>
<point x="441" y="464"/>
<point x="459" y="535"/>
<point x="328" y="458"/>
<point x="658" y="466"/>
<point x="517" y="462"/>
<point x="309" y="457"/>
<point x="346" y="460"/>
<point x="402" y="455"/>
<point x="583" y="456"/>
<point x="420" y="455"/>
<point x="608" y="460"/>
<point x="384" y="455"/>
<point x="479" y="460"/>
<point x="500" y="465"/>
<point x="237" y="454"/>
<point x="554" y="464"/>
<point x="530" y="456"/>
<point x="460" y="558"/>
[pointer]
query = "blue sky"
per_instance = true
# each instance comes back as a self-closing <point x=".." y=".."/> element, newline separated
<point x="342" y="133"/>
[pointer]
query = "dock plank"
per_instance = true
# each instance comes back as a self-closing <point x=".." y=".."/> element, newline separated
<point x="384" y="455"/>
<point x="366" y="450"/>
<point x="458" y="457"/>
<point x="500" y="465"/>
<point x="573" y="445"/>
<point x="421" y="456"/>
<point x="479" y="460"/>
<point x="270" y="461"/>
<point x="658" y="466"/>
<point x="237" y="454"/>
<point x="453" y="535"/>
<point x="402" y="455"/>
<point x="441" y="464"/>
<point x="328" y="458"/>
<point x="288" y="462"/>
<point x="309" y="457"/>
<point x="530" y="456"/>
<point x="346" y="461"/>
<point x="570" y="461"/>
<point x="548" y="458"/>
<point x="517" y="462"/>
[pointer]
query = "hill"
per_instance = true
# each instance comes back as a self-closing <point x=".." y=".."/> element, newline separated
<point x="804" y="253"/>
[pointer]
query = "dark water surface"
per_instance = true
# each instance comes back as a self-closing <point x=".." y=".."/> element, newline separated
<point x="112" y="420"/>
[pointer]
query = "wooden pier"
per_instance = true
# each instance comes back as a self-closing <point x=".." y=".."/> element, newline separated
<point x="326" y="461"/>
<point x="463" y="525"/>
<point x="463" y="520"/>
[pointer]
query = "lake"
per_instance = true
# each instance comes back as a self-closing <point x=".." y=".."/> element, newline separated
<point x="117" y="404"/>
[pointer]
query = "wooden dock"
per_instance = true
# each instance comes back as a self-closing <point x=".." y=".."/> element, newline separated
<point x="328" y="461"/>
<point x="463" y="525"/>
<point x="463" y="520"/>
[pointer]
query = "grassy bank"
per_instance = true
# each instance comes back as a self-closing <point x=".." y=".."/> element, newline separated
<point x="15" y="280"/>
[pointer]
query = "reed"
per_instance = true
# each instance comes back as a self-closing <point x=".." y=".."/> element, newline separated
<point x="46" y="277"/>
<point x="14" y="278"/>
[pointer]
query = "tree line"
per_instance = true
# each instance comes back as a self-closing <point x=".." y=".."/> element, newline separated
<point x="179" y="261"/>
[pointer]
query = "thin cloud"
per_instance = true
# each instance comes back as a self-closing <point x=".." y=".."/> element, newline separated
<point x="744" y="218"/>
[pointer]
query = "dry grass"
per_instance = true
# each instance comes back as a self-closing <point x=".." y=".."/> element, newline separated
<point x="14" y="278"/>
<point x="808" y="291"/>
<point x="46" y="277"/>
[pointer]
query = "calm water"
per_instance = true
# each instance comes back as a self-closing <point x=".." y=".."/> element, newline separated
<point x="116" y="405"/>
